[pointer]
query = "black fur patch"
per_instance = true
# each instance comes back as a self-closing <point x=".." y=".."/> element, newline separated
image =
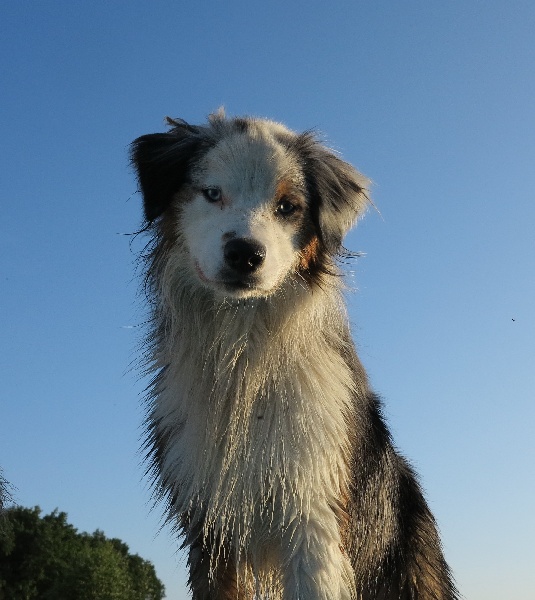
<point x="163" y="162"/>
<point x="333" y="187"/>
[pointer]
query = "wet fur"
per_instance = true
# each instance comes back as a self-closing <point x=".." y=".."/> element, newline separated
<point x="263" y="434"/>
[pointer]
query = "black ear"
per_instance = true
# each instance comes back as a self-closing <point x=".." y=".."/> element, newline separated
<point x="163" y="161"/>
<point x="338" y="192"/>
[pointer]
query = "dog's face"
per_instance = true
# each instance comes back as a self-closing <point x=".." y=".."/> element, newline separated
<point x="256" y="204"/>
<point x="248" y="221"/>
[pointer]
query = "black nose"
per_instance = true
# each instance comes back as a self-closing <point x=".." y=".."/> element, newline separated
<point x="243" y="255"/>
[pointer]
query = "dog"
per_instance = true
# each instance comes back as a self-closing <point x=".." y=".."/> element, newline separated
<point x="263" y="435"/>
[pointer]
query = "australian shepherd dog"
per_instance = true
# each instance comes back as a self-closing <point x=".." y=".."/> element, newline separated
<point x="263" y="434"/>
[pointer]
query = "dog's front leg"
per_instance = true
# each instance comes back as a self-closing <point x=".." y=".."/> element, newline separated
<point x="213" y="583"/>
<point x="314" y="564"/>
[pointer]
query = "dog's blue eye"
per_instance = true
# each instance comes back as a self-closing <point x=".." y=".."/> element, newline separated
<point x="212" y="194"/>
<point x="285" y="207"/>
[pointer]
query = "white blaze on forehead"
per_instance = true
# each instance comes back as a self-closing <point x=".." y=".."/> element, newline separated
<point x="248" y="166"/>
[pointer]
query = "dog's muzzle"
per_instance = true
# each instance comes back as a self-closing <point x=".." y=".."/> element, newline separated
<point x="243" y="258"/>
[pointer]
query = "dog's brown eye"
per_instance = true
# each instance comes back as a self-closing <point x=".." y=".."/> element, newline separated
<point x="285" y="207"/>
<point x="212" y="194"/>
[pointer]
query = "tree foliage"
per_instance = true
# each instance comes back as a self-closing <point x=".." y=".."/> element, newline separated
<point x="5" y="495"/>
<point x="45" y="558"/>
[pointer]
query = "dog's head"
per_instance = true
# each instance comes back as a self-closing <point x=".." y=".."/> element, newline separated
<point x="249" y="202"/>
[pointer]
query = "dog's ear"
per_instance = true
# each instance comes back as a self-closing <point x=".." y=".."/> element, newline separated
<point x="338" y="192"/>
<point x="162" y="162"/>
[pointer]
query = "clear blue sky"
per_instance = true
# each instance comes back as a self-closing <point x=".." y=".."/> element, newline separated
<point x="435" y="101"/>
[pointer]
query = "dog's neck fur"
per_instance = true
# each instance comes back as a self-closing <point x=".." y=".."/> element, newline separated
<point x="241" y="384"/>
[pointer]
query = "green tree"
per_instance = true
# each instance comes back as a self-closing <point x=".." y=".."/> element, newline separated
<point x="45" y="558"/>
<point x="5" y="495"/>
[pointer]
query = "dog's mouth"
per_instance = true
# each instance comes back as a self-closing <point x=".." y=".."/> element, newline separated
<point x="200" y="273"/>
<point x="238" y="284"/>
<point x="229" y="283"/>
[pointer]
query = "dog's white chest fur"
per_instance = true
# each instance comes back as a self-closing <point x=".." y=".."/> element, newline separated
<point x="259" y="432"/>
<point x="252" y="421"/>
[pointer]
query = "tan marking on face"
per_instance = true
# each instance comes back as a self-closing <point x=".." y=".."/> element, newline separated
<point x="167" y="226"/>
<point x="284" y="189"/>
<point x="309" y="254"/>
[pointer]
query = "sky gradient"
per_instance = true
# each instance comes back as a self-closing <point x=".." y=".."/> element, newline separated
<point x="435" y="102"/>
